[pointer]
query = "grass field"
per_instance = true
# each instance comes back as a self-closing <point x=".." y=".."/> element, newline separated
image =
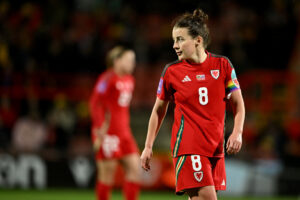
<point x="72" y="194"/>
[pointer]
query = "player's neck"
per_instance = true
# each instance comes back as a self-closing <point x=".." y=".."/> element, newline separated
<point x="199" y="58"/>
<point x="119" y="72"/>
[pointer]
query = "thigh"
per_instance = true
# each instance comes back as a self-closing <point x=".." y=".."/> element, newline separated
<point x="130" y="163"/>
<point x="192" y="171"/>
<point x="203" y="193"/>
<point x="106" y="170"/>
<point x="219" y="173"/>
<point x="131" y="166"/>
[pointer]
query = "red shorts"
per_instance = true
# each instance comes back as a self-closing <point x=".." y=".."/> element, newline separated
<point x="195" y="171"/>
<point x="116" y="147"/>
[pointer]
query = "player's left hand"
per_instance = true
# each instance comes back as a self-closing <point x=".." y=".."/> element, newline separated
<point x="145" y="158"/>
<point x="234" y="143"/>
<point x="100" y="133"/>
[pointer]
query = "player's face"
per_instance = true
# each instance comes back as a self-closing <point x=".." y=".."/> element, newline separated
<point x="127" y="62"/>
<point x="184" y="45"/>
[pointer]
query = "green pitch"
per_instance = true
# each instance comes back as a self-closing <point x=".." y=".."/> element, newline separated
<point x="78" y="194"/>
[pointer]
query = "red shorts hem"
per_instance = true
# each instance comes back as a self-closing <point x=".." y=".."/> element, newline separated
<point x="182" y="191"/>
<point x="220" y="187"/>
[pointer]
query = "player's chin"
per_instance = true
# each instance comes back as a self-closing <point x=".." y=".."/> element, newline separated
<point x="180" y="57"/>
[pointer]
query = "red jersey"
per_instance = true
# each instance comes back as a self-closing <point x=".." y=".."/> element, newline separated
<point x="199" y="92"/>
<point x="112" y="93"/>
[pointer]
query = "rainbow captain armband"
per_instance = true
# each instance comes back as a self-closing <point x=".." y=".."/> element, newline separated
<point x="232" y="85"/>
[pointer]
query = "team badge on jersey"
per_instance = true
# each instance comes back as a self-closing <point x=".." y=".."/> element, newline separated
<point x="198" y="176"/>
<point x="215" y="73"/>
<point x="200" y="77"/>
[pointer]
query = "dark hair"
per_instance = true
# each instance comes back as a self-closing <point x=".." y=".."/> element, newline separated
<point x="195" y="23"/>
<point x="115" y="53"/>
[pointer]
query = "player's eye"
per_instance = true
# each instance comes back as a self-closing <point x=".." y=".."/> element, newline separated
<point x="180" y="39"/>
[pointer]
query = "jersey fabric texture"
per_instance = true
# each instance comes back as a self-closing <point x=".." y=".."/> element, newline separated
<point x="111" y="97"/>
<point x="195" y="171"/>
<point x="199" y="92"/>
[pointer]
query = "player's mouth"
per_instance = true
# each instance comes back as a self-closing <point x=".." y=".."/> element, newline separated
<point x="179" y="53"/>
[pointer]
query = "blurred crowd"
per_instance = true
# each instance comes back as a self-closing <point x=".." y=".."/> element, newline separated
<point x="52" y="51"/>
<point x="74" y="36"/>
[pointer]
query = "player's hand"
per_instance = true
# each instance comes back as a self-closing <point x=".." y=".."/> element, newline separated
<point x="234" y="143"/>
<point x="145" y="158"/>
<point x="100" y="134"/>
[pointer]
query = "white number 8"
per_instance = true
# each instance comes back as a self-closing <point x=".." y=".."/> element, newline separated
<point x="124" y="99"/>
<point x="196" y="162"/>
<point x="203" y="98"/>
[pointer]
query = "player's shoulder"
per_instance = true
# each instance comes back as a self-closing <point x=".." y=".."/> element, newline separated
<point x="104" y="81"/>
<point x="217" y="56"/>
<point x="105" y="78"/>
<point x="219" y="59"/>
<point x="170" y="66"/>
<point x="106" y="75"/>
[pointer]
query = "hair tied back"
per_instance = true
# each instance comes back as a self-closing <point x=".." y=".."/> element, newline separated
<point x="200" y="16"/>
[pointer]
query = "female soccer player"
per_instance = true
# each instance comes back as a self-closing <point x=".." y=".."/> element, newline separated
<point x="111" y="134"/>
<point x="199" y="83"/>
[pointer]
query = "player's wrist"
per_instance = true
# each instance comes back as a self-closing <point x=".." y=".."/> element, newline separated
<point x="238" y="136"/>
<point x="148" y="147"/>
<point x="237" y="132"/>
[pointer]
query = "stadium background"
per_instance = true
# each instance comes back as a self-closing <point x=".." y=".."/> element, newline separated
<point x="52" y="51"/>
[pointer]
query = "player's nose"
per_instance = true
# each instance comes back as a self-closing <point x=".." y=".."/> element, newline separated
<point x="175" y="46"/>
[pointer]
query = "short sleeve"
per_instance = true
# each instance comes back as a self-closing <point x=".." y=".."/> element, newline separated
<point x="164" y="89"/>
<point x="231" y="80"/>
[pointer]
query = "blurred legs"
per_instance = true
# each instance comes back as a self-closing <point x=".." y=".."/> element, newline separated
<point x="132" y="170"/>
<point x="105" y="179"/>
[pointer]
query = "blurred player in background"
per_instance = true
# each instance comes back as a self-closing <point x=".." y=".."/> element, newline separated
<point x="199" y="83"/>
<point x="111" y="134"/>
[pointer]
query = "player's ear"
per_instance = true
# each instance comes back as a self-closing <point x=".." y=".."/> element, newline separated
<point x="198" y="40"/>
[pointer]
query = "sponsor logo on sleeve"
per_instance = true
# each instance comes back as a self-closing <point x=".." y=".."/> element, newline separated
<point x="233" y="75"/>
<point x="161" y="81"/>
<point x="101" y="87"/>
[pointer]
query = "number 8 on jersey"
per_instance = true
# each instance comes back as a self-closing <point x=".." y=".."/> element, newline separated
<point x="203" y="98"/>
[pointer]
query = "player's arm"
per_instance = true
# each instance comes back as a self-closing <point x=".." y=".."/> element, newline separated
<point x="155" y="121"/>
<point x="100" y="132"/>
<point x="234" y="142"/>
<point x="100" y="119"/>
